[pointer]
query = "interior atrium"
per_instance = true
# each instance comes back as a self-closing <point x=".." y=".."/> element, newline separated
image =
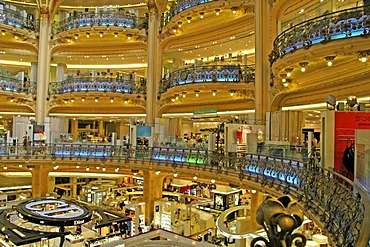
<point x="182" y="123"/>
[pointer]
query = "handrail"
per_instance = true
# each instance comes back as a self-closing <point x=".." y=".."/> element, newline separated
<point x="91" y="19"/>
<point x="335" y="201"/>
<point x="103" y="84"/>
<point x="180" y="6"/>
<point x="353" y="22"/>
<point x="14" y="19"/>
<point x="17" y="86"/>
<point x="207" y="74"/>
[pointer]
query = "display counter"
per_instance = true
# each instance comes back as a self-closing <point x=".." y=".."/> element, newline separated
<point x="74" y="241"/>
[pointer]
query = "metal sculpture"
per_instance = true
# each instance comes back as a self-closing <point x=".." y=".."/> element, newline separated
<point x="279" y="217"/>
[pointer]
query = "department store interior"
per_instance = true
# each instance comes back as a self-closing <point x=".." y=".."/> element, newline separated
<point x="178" y="123"/>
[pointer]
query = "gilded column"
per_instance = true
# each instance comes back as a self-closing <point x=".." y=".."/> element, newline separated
<point x="40" y="180"/>
<point x="43" y="68"/>
<point x="74" y="129"/>
<point x="153" y="185"/>
<point x="263" y="48"/>
<point x="154" y="62"/>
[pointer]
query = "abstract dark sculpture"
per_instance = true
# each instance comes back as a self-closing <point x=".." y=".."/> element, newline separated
<point x="279" y="217"/>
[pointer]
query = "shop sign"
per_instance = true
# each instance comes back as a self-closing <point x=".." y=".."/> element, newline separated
<point x="205" y="111"/>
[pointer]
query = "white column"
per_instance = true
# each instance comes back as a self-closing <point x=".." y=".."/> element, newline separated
<point x="263" y="48"/>
<point x="33" y="72"/>
<point x="43" y="68"/>
<point x="61" y="70"/>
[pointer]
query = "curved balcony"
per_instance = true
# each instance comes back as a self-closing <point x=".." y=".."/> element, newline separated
<point x="337" y="204"/>
<point x="13" y="19"/>
<point x="180" y="6"/>
<point x="354" y="22"/>
<point x="91" y="19"/>
<point x="97" y="84"/>
<point x="8" y="84"/>
<point x="207" y="74"/>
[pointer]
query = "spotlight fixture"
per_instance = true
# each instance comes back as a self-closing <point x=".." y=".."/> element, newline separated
<point x="173" y="99"/>
<point x="179" y="24"/>
<point x="5" y="167"/>
<point x="196" y="93"/>
<point x="157" y="172"/>
<point x="87" y="35"/>
<point x="233" y="9"/>
<point x="174" y="29"/>
<point x="116" y="170"/>
<point x="288" y="71"/>
<point x="76" y="36"/>
<point x="351" y="101"/>
<point x="11" y="99"/>
<point x="125" y="101"/>
<point x="176" y="96"/>
<point x="195" y="177"/>
<point x="331" y="102"/>
<point x="3" y="32"/>
<point x="68" y="40"/>
<point x="217" y="12"/>
<point x="201" y="15"/>
<point x="303" y="66"/>
<point x="115" y="35"/>
<point x="330" y="59"/>
<point x="111" y="100"/>
<point x="87" y="169"/>
<point x="184" y="94"/>
<point x="65" y="101"/>
<point x="363" y="55"/>
<point x="134" y="171"/>
<point x="188" y="18"/>
<point x="213" y="181"/>
<point x="103" y="169"/>
<point x="232" y="93"/>
<point x="283" y="77"/>
<point x="214" y="92"/>
<point x="101" y="34"/>
<point x="72" y="100"/>
<point x="129" y="36"/>
<point x="16" y="36"/>
<point x="286" y="83"/>
<point x="96" y="99"/>
<point x="83" y="99"/>
<point x="175" y="175"/>
<point x="77" y="167"/>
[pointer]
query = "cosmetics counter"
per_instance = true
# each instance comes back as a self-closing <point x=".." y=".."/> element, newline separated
<point x="49" y="221"/>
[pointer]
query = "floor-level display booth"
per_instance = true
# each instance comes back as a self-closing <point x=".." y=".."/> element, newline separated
<point x="49" y="221"/>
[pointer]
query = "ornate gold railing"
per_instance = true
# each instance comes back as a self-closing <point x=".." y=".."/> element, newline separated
<point x="354" y="22"/>
<point x="341" y="206"/>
